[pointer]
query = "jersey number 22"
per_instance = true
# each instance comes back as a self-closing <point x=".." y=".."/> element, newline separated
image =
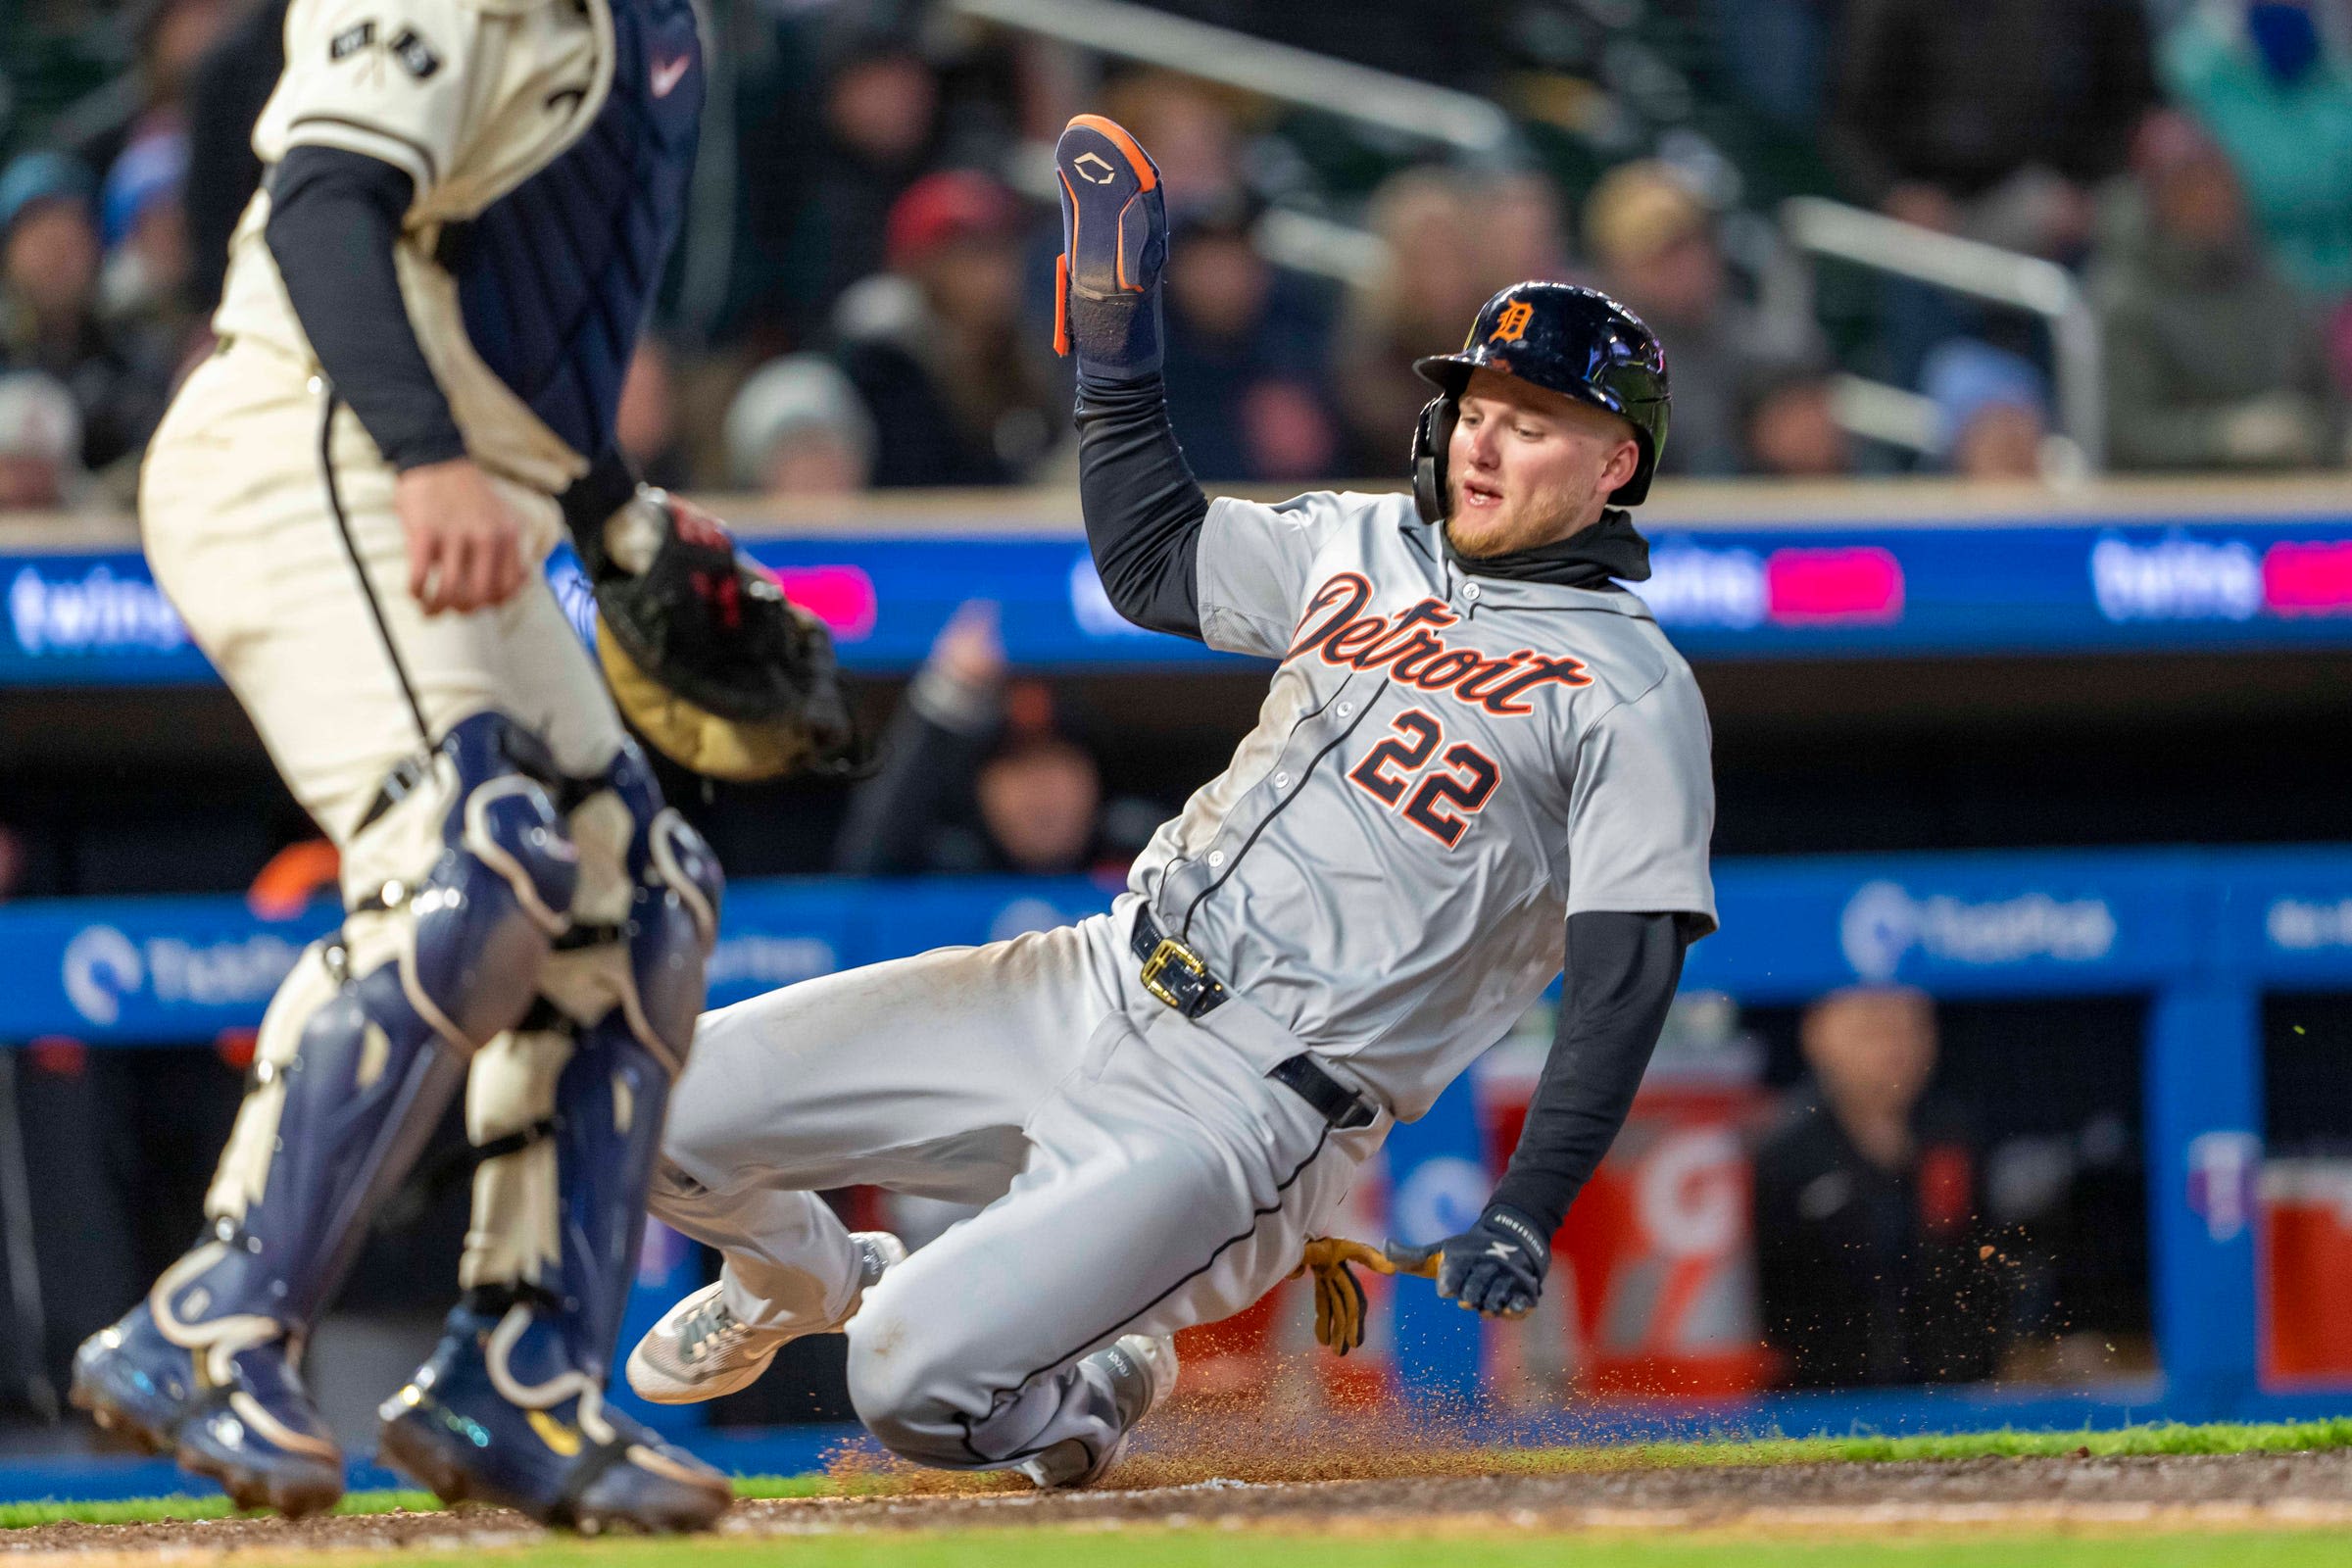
<point x="1447" y="796"/>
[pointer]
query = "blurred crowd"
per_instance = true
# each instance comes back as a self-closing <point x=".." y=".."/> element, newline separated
<point x="870" y="310"/>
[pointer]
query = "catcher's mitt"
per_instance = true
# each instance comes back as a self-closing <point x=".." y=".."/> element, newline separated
<point x="705" y="654"/>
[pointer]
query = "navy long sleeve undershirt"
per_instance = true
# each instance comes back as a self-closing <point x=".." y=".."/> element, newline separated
<point x="1621" y="971"/>
<point x="1144" y="510"/>
<point x="334" y="219"/>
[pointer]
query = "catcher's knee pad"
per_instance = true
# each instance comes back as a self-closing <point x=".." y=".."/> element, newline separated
<point x="583" y="1118"/>
<point x="673" y="915"/>
<point x="367" y="1039"/>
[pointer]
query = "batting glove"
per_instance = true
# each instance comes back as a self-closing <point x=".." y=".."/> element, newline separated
<point x="1495" y="1267"/>
<point x="1115" y="242"/>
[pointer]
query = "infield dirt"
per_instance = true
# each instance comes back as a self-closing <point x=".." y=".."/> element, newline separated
<point x="2074" y="1495"/>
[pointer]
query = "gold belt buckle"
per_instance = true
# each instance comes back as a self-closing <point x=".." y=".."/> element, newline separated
<point x="1171" y="952"/>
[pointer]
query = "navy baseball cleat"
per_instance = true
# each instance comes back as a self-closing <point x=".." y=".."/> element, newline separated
<point x="470" y="1427"/>
<point x="241" y="1417"/>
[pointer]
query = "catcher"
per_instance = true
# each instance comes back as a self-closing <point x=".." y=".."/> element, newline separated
<point x="429" y="306"/>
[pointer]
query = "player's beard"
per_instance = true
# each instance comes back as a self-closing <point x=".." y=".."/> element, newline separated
<point x="1524" y="522"/>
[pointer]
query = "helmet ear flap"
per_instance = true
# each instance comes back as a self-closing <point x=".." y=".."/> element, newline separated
<point x="1432" y="433"/>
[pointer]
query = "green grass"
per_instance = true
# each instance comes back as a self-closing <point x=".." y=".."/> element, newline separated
<point x="179" y="1505"/>
<point x="2160" y="1437"/>
<point x="1160" y="1547"/>
<point x="2167" y="1439"/>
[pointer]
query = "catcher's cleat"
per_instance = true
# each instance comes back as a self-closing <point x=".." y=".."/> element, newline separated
<point x="566" y="1460"/>
<point x="1143" y="1374"/>
<point x="701" y="1351"/>
<point x="240" y="1417"/>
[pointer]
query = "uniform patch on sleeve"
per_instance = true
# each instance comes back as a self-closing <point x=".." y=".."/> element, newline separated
<point x="350" y="41"/>
<point x="414" y="55"/>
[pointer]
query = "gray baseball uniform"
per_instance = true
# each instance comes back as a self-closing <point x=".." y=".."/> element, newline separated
<point x="1446" y="767"/>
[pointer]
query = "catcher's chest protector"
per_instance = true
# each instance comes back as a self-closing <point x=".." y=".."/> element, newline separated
<point x="555" y="277"/>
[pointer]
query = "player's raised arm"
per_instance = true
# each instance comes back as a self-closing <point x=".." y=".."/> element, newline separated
<point x="1143" y="508"/>
<point x="1229" y="574"/>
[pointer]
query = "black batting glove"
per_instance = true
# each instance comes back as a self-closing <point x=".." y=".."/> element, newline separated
<point x="1495" y="1267"/>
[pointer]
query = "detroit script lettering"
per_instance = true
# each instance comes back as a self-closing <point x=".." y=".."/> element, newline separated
<point x="1334" y="629"/>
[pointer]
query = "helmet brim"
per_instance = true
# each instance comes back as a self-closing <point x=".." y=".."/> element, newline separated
<point x="1450" y="374"/>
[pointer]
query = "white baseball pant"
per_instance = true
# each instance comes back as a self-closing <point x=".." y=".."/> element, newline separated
<point x="1141" y="1173"/>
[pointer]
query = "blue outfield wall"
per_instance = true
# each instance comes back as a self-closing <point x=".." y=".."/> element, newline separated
<point x="2201" y="934"/>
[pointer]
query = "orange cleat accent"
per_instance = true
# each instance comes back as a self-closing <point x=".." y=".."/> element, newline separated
<point x="1061" y="304"/>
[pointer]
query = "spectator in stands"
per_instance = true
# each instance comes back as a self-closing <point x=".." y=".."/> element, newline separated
<point x="974" y="777"/>
<point x="1521" y="232"/>
<point x="225" y="91"/>
<point x="797" y="428"/>
<point x="49" y="259"/>
<point x="2276" y="90"/>
<point x="646" y="421"/>
<point x="1653" y="240"/>
<point x="2213" y="361"/>
<point x="167" y="38"/>
<point x="1434" y="280"/>
<point x="1866" y="1221"/>
<point x="842" y="114"/>
<point x="1993" y="414"/>
<point x="143" y="284"/>
<point x="1788" y="426"/>
<point x="937" y="349"/>
<point x="1188" y="125"/>
<point x="1991" y="120"/>
<point x="1243" y="351"/>
<point x="40" y="444"/>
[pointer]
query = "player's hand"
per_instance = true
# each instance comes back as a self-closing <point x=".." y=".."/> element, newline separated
<point x="464" y="542"/>
<point x="971" y="650"/>
<point x="1114" y="243"/>
<point x="1495" y="1267"/>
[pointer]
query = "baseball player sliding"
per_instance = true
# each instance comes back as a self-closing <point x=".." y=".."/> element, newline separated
<point x="1476" y="750"/>
<point x="429" y="308"/>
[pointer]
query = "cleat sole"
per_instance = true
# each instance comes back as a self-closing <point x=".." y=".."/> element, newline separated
<point x="114" y="1419"/>
<point x="409" y="1446"/>
<point x="295" y="1496"/>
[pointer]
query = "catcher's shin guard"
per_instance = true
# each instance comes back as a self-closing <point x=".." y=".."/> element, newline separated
<point x="529" y="1351"/>
<point x="359" y="1052"/>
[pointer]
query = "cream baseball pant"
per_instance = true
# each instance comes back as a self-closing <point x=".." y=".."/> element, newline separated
<point x="1142" y="1174"/>
<point x="263" y="562"/>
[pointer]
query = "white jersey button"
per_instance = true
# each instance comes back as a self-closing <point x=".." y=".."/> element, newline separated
<point x="1469" y="590"/>
<point x="1346" y="708"/>
<point x="1216" y="857"/>
<point x="1282" y="781"/>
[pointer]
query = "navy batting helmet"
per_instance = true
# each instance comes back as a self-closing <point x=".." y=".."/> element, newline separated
<point x="1578" y="342"/>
